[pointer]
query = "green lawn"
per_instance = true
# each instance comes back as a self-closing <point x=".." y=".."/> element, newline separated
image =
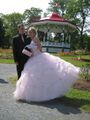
<point x="71" y="59"/>
<point x="7" y="61"/>
<point x="74" y="59"/>
<point x="78" y="98"/>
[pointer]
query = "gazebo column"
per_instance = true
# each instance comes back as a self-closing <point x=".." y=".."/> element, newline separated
<point x="69" y="39"/>
<point x="46" y="39"/>
<point x="63" y="43"/>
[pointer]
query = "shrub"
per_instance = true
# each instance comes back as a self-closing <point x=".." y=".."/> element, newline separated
<point x="85" y="72"/>
<point x="81" y="52"/>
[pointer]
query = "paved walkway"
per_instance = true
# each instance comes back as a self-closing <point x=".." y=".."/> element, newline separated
<point x="12" y="110"/>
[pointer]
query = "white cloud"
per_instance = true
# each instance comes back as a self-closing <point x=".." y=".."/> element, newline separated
<point x="10" y="6"/>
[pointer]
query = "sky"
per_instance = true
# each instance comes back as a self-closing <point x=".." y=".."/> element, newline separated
<point x="10" y="6"/>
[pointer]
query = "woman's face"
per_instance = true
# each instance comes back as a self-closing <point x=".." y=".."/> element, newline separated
<point x="31" y="34"/>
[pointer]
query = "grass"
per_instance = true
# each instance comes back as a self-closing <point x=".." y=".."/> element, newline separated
<point x="13" y="79"/>
<point x="75" y="62"/>
<point x="78" y="99"/>
<point x="6" y="61"/>
<point x="74" y="59"/>
<point x="6" y="56"/>
<point x="70" y="59"/>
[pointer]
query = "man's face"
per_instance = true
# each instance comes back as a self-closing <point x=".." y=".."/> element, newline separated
<point x="21" y="30"/>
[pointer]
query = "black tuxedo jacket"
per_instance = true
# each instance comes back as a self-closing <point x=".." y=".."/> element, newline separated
<point x="18" y="46"/>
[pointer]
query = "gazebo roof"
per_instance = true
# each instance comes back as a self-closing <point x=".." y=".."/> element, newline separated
<point x="53" y="17"/>
<point x="54" y="23"/>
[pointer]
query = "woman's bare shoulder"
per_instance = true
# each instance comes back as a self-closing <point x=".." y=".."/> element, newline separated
<point x="37" y="40"/>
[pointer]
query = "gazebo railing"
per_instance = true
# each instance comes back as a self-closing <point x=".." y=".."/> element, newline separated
<point x="55" y="44"/>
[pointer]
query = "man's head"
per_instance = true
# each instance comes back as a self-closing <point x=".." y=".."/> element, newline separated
<point x="21" y="29"/>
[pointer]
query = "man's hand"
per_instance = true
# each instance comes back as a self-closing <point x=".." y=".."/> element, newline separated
<point x="16" y="63"/>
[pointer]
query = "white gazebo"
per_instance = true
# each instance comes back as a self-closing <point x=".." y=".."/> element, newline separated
<point x="55" y="24"/>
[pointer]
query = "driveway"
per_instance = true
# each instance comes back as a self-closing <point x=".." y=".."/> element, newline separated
<point x="13" y="110"/>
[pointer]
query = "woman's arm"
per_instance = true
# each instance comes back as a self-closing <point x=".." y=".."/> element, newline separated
<point x="37" y="41"/>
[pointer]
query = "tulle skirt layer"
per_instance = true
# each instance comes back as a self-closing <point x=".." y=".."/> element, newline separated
<point x="45" y="77"/>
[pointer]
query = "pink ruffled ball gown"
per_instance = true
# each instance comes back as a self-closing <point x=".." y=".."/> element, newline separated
<point x="44" y="77"/>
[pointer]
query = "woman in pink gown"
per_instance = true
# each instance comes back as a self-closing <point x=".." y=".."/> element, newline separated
<point x="45" y="76"/>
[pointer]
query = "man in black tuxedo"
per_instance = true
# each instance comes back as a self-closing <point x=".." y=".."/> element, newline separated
<point x="19" y="42"/>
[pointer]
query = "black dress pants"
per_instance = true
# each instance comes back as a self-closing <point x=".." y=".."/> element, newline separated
<point x="19" y="69"/>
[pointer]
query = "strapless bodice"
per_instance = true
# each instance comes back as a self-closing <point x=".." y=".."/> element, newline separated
<point x="34" y="48"/>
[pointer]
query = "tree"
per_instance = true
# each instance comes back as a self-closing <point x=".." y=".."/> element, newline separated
<point x="58" y="6"/>
<point x="2" y="32"/>
<point x="32" y="14"/>
<point x="78" y="11"/>
<point x="86" y="42"/>
<point x="10" y="24"/>
<point x="12" y="20"/>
